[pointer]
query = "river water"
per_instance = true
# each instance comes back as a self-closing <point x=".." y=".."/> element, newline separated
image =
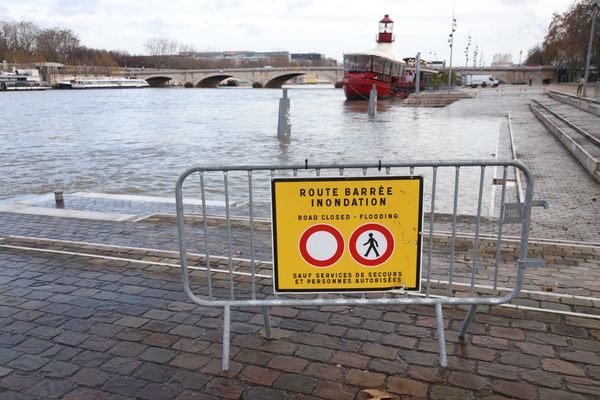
<point x="139" y="141"/>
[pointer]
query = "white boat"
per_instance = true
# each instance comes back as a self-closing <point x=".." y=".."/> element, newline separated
<point x="28" y="79"/>
<point x="103" y="83"/>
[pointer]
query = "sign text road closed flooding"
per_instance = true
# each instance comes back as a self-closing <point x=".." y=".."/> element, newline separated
<point x="347" y="234"/>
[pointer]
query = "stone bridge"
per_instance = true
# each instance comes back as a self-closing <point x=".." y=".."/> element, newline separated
<point x="270" y="77"/>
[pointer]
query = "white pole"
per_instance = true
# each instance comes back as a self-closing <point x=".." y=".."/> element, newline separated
<point x="589" y="52"/>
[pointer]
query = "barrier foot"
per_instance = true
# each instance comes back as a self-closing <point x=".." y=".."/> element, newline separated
<point x="467" y="321"/>
<point x="441" y="335"/>
<point x="267" y="319"/>
<point x="226" y="337"/>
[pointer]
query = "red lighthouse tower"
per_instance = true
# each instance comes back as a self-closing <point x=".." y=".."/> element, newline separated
<point x="386" y="26"/>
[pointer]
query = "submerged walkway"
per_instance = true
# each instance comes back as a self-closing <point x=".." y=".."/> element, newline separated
<point x="96" y="309"/>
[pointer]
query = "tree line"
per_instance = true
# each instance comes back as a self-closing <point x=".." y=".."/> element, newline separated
<point x="566" y="42"/>
<point x="23" y="42"/>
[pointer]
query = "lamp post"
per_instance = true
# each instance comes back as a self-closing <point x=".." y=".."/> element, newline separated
<point x="520" y="54"/>
<point x="475" y="56"/>
<point x="467" y="51"/>
<point x="451" y="41"/>
<point x="589" y="52"/>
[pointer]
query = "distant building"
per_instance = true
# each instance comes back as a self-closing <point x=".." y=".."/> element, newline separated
<point x="238" y="55"/>
<point x="311" y="57"/>
<point x="500" y="60"/>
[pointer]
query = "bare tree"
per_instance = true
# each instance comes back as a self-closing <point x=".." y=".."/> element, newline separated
<point x="57" y="44"/>
<point x="161" y="46"/>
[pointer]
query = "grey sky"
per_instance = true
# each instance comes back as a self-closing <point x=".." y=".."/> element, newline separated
<point x="331" y="27"/>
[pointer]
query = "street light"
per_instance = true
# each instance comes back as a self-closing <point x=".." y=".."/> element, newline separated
<point x="589" y="52"/>
<point x="520" y="54"/>
<point x="467" y="51"/>
<point x="451" y="41"/>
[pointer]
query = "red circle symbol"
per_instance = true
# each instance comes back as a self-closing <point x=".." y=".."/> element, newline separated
<point x="321" y="245"/>
<point x="365" y="238"/>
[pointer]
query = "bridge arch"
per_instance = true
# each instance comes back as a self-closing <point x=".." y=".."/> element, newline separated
<point x="158" y="81"/>
<point x="279" y="80"/>
<point x="212" y="81"/>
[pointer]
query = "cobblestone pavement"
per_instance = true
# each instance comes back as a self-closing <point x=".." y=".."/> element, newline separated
<point x="88" y="327"/>
<point x="76" y="328"/>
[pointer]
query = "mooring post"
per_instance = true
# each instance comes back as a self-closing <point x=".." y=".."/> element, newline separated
<point x="373" y="100"/>
<point x="284" y="125"/>
<point x="418" y="73"/>
<point x="59" y="199"/>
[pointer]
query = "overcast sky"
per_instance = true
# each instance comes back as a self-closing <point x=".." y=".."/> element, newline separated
<point x="331" y="27"/>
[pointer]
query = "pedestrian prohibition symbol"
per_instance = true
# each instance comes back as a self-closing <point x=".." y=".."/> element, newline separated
<point x="335" y="234"/>
<point x="371" y="244"/>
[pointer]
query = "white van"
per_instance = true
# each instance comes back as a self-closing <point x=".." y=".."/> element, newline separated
<point x="483" y="80"/>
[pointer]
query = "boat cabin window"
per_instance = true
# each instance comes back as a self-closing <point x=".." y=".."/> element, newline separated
<point x="357" y="63"/>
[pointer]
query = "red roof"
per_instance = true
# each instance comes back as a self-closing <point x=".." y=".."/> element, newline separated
<point x="386" y="19"/>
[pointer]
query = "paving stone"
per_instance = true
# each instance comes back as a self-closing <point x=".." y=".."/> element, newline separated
<point x="90" y="377"/>
<point x="450" y="393"/>
<point x="314" y="353"/>
<point x="559" y="395"/>
<point x="121" y="366"/>
<point x="468" y="381"/>
<point x="33" y="346"/>
<point x="224" y="388"/>
<point x="59" y="369"/>
<point x="259" y="375"/>
<point x="86" y="394"/>
<point x="157" y="355"/>
<point x="90" y="359"/>
<point x="18" y="382"/>
<point x="131" y="322"/>
<point x="123" y="385"/>
<point x="406" y="387"/>
<point x="497" y="370"/>
<point x="517" y="390"/>
<point x="50" y="389"/>
<point x="583" y="385"/>
<point x="287" y="363"/>
<point x="70" y="338"/>
<point x="261" y="393"/>
<point x="128" y="349"/>
<point x="155" y="391"/>
<point x="190" y="361"/>
<point x="349" y="359"/>
<point x="586" y="357"/>
<point x="190" y="345"/>
<point x="365" y="379"/>
<point x="563" y="367"/>
<point x="28" y="363"/>
<point x="334" y="391"/>
<point x="295" y="383"/>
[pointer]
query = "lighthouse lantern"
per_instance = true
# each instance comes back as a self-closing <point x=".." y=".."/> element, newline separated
<point x="386" y="26"/>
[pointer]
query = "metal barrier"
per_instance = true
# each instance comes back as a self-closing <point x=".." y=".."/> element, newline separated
<point x="227" y="280"/>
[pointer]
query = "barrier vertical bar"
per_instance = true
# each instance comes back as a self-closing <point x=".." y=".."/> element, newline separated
<point x="477" y="227"/>
<point x="251" y="216"/>
<point x="205" y="226"/>
<point x="500" y="227"/>
<point x="439" y="319"/>
<point x="226" y="336"/>
<point x="267" y="321"/>
<point x="431" y="218"/>
<point x="228" y="227"/>
<point x="467" y="321"/>
<point x="453" y="240"/>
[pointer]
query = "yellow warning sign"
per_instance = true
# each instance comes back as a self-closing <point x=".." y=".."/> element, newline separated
<point x="346" y="233"/>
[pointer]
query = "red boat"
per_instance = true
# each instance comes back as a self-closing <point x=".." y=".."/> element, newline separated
<point x="379" y="67"/>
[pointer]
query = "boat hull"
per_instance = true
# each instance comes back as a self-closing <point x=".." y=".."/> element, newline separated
<point x="359" y="88"/>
